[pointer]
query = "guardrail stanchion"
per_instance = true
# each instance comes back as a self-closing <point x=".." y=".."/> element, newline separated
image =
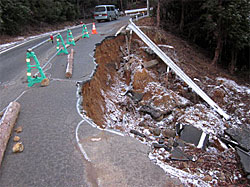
<point x="60" y="42"/>
<point x="70" y="38"/>
<point x="35" y="79"/>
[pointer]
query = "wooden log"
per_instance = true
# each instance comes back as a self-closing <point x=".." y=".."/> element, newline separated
<point x="6" y="125"/>
<point x="69" y="69"/>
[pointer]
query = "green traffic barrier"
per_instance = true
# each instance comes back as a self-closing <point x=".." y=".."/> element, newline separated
<point x="60" y="42"/>
<point x="85" y="33"/>
<point x="33" y="80"/>
<point x="70" y="38"/>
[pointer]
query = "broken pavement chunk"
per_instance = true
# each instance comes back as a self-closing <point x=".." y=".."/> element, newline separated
<point x="240" y="135"/>
<point x="192" y="135"/>
<point x="178" y="154"/>
<point x="244" y="159"/>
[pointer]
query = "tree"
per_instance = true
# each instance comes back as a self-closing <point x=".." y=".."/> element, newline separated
<point x="158" y="13"/>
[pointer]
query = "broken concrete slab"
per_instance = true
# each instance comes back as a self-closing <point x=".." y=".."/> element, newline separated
<point x="192" y="135"/>
<point x="178" y="154"/>
<point x="150" y="64"/>
<point x="244" y="159"/>
<point x="240" y="135"/>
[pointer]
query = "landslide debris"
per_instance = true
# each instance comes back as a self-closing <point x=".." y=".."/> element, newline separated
<point x="134" y="92"/>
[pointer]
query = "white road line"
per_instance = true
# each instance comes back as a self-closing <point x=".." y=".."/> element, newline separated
<point x="36" y="38"/>
<point x="18" y="97"/>
<point x="79" y="144"/>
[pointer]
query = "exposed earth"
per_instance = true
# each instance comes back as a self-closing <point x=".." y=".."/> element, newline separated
<point x="133" y="92"/>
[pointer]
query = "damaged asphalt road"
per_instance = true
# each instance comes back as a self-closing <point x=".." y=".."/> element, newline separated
<point x="49" y="118"/>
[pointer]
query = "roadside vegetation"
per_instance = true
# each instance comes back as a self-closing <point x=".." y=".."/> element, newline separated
<point x="219" y="26"/>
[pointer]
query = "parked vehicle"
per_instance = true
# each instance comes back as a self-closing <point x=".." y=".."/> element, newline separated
<point x="105" y="12"/>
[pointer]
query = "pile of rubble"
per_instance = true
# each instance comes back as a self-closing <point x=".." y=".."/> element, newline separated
<point x="139" y="96"/>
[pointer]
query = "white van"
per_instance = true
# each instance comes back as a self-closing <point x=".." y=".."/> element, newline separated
<point x="105" y="12"/>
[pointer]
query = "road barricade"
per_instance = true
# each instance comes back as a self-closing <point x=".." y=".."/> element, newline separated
<point x="70" y="38"/>
<point x="85" y="33"/>
<point x="34" y="79"/>
<point x="60" y="46"/>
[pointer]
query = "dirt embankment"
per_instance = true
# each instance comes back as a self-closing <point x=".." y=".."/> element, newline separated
<point x="134" y="92"/>
<point x="107" y="57"/>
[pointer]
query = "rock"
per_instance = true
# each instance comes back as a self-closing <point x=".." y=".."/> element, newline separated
<point x="154" y="113"/>
<point x="142" y="124"/>
<point x="218" y="94"/>
<point x="45" y="82"/>
<point x="150" y="63"/>
<point x="16" y="138"/>
<point x="175" y="144"/>
<point x="137" y="133"/>
<point x="136" y="96"/>
<point x="171" y="142"/>
<point x="161" y="141"/>
<point x="141" y="79"/>
<point x="18" y="148"/>
<point x="157" y="146"/>
<point x="160" y="118"/>
<point x="168" y="133"/>
<point x="207" y="178"/>
<point x="18" y="129"/>
<point x="1" y="114"/>
<point x="156" y="131"/>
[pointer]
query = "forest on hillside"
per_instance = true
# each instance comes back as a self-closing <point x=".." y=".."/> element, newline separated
<point x="16" y="15"/>
<point x="221" y="27"/>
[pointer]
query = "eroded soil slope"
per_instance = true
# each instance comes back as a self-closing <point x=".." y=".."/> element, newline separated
<point x="134" y="92"/>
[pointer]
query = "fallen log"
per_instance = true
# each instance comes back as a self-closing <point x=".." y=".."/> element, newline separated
<point x="69" y="68"/>
<point x="7" y="123"/>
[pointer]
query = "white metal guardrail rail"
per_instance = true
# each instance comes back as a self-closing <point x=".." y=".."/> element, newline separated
<point x="136" y="10"/>
<point x="176" y="69"/>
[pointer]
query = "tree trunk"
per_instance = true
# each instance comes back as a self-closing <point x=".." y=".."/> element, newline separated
<point x="233" y="62"/>
<point x="158" y="14"/>
<point x="219" y="37"/>
<point x="6" y="125"/>
<point x="121" y="5"/>
<point x="218" y="49"/>
<point x="182" y="16"/>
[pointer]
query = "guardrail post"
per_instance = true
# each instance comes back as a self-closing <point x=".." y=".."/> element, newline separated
<point x="60" y="42"/>
<point x="85" y="33"/>
<point x="32" y="80"/>
<point x="70" y="38"/>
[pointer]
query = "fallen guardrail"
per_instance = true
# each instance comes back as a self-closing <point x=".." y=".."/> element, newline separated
<point x="176" y="69"/>
<point x="137" y="10"/>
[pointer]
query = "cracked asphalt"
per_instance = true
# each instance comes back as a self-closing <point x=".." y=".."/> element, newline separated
<point x="49" y="118"/>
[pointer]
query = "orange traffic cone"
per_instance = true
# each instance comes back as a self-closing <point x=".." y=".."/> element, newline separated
<point x="94" y="29"/>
